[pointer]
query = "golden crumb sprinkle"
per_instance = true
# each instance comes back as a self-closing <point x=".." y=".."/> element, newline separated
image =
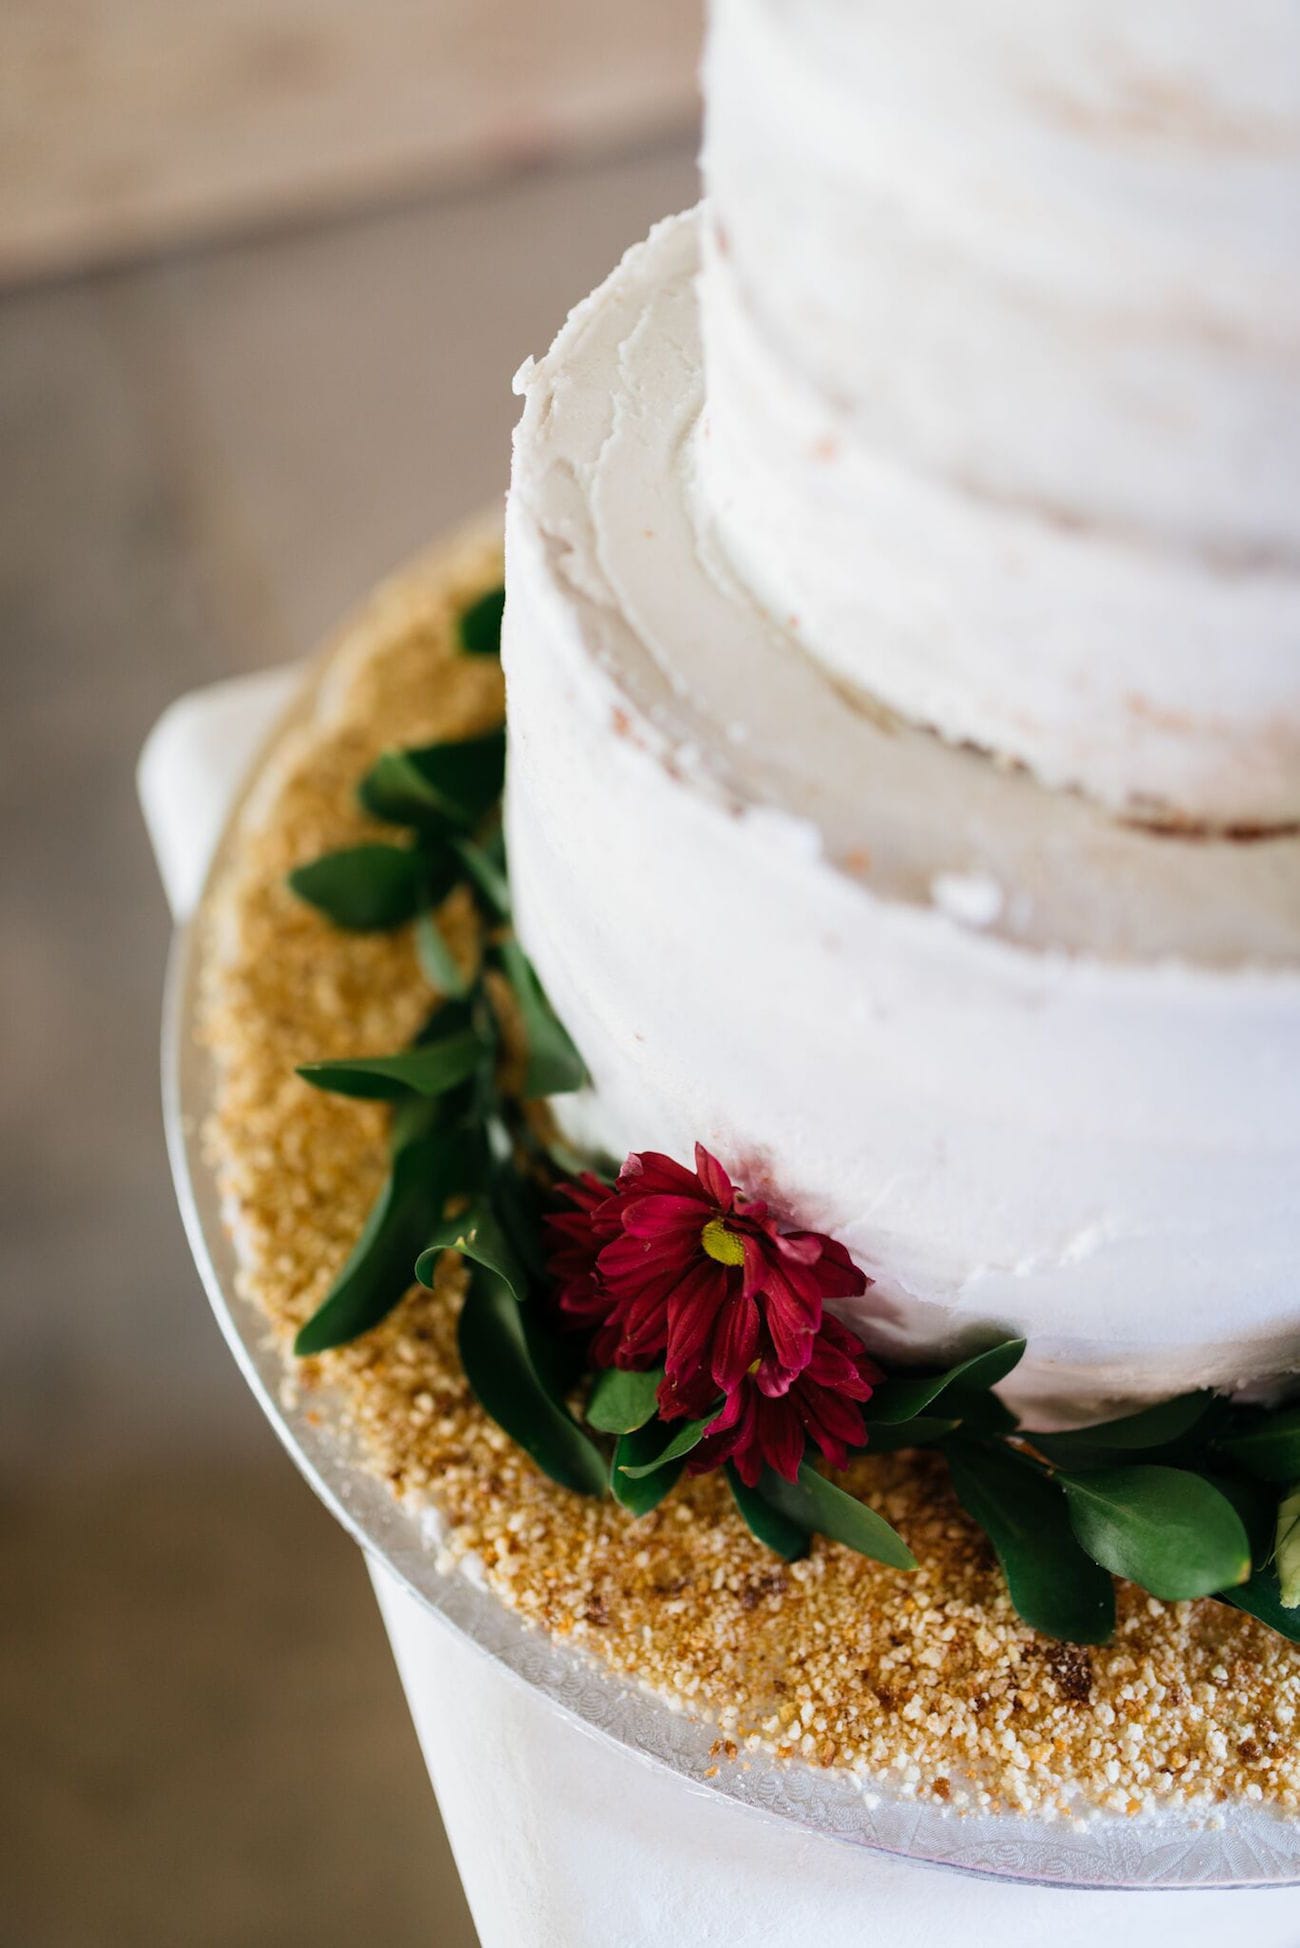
<point x="930" y="1680"/>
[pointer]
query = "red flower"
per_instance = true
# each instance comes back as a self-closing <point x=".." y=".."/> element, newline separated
<point x="574" y="1239"/>
<point x="763" y="1425"/>
<point x="679" y="1265"/>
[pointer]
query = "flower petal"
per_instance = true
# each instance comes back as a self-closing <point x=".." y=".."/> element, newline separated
<point x="715" y="1182"/>
<point x="792" y="1337"/>
<point x="665" y="1215"/>
<point x="800" y="1247"/>
<point x="783" y="1438"/>
<point x="648" y="1172"/>
<point x="692" y="1311"/>
<point x="735" y="1340"/>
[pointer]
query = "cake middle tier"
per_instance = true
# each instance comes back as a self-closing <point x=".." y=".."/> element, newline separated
<point x="1035" y="1067"/>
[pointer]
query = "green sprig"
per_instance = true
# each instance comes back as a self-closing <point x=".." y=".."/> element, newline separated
<point x="633" y="1486"/>
<point x="1055" y="1585"/>
<point x="479" y="627"/>
<point x="501" y="1350"/>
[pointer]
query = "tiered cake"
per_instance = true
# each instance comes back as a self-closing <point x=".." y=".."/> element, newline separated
<point x="902" y="645"/>
<point x="903" y="653"/>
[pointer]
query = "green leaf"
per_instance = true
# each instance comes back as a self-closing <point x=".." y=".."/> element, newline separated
<point x="1254" y="1504"/>
<point x="554" y="1065"/>
<point x="479" y="626"/>
<point x="395" y="790"/>
<point x="517" y="1201"/>
<point x="918" y="1432"/>
<point x="911" y="1393"/>
<point x="448" y="787"/>
<point x="644" y="1489"/>
<point x="816" y="1503"/>
<point x="1269" y="1447"/>
<point x="1056" y="1587"/>
<point x="788" y="1538"/>
<point x="1262" y="1597"/>
<point x="1154" y="1427"/>
<point x="689" y="1435"/>
<point x="466" y="775"/>
<point x="438" y="964"/>
<point x="1166" y="1529"/>
<point x="621" y="1402"/>
<point x="980" y="1412"/>
<point x="428" y="1070"/>
<point x="451" y="1016"/>
<point x="1286" y="1549"/>
<point x="499" y="1354"/>
<point x="425" y="1172"/>
<point x="477" y="1234"/>
<point x="416" y="1117"/>
<point x="487" y="873"/>
<point x="365" y="888"/>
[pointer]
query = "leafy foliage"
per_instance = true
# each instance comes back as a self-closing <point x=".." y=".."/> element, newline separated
<point x="786" y="1535"/>
<point x="921" y="1431"/>
<point x="1172" y="1531"/>
<point x="485" y="868"/>
<point x="1161" y="1426"/>
<point x="1054" y="1584"/>
<point x="1266" y="1444"/>
<point x="621" y="1402"/>
<point x="904" y="1398"/>
<point x="554" y="1065"/>
<point x="636" y="1488"/>
<point x="1286" y="1550"/>
<point x="1262" y="1597"/>
<point x="443" y="788"/>
<point x="364" y="888"/>
<point x="477" y="1234"/>
<point x="438" y="964"/>
<point x="430" y="1069"/>
<point x="479" y="628"/>
<point x="681" y="1437"/>
<point x="499" y="1343"/>
<point x="429" y="1166"/>
<point x="816" y="1503"/>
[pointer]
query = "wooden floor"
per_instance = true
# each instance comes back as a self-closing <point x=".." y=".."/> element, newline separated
<point x="204" y="461"/>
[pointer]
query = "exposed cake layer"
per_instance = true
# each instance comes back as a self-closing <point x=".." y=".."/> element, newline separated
<point x="1003" y="335"/>
<point x="1035" y="1068"/>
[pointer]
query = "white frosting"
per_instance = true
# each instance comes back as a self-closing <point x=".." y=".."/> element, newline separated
<point x="862" y="966"/>
<point x="1003" y="339"/>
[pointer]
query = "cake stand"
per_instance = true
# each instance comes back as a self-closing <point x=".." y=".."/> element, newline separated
<point x="582" y="1810"/>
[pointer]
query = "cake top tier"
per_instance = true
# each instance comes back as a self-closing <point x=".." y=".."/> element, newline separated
<point x="1025" y="280"/>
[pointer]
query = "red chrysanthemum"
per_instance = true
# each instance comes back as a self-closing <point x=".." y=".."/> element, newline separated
<point x="680" y="1266"/>
<point x="763" y="1424"/>
<point x="574" y="1238"/>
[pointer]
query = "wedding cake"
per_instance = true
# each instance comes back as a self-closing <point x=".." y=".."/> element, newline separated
<point x="787" y="1233"/>
<point x="902" y="645"/>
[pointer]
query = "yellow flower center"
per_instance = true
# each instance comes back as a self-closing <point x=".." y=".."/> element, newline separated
<point x="722" y="1244"/>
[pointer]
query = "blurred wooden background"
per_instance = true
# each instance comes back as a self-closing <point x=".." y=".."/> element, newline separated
<point x="130" y="124"/>
<point x="266" y="269"/>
